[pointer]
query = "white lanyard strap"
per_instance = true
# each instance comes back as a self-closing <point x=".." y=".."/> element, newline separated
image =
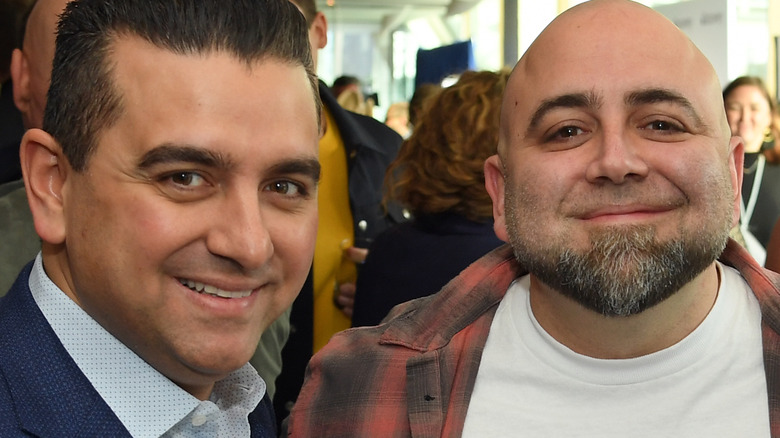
<point x="747" y="213"/>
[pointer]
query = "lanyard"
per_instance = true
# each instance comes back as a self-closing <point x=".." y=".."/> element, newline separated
<point x="747" y="212"/>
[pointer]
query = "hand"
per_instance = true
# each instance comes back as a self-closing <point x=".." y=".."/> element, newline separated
<point x="357" y="255"/>
<point x="345" y="298"/>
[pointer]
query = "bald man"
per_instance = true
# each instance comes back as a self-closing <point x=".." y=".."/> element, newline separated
<point x="12" y="16"/>
<point x="31" y="74"/>
<point x="31" y="66"/>
<point x="619" y="308"/>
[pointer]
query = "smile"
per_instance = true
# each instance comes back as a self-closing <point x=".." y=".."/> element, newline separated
<point x="214" y="291"/>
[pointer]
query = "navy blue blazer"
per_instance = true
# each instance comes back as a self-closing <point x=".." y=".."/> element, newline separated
<point x="43" y="393"/>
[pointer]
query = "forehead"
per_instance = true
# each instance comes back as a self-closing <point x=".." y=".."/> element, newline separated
<point x="612" y="53"/>
<point x="212" y="98"/>
<point x="747" y="91"/>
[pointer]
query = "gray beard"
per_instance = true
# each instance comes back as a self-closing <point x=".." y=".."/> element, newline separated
<point x="626" y="271"/>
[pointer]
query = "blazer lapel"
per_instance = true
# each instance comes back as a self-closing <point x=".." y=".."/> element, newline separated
<point x="51" y="396"/>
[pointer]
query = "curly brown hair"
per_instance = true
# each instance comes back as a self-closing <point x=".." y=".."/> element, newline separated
<point x="440" y="167"/>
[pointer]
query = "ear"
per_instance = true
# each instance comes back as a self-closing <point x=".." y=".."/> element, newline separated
<point x="20" y="76"/>
<point x="45" y="170"/>
<point x="736" y="167"/>
<point x="318" y="32"/>
<point x="495" y="185"/>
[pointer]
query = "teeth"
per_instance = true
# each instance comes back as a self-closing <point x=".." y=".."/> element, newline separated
<point x="211" y="290"/>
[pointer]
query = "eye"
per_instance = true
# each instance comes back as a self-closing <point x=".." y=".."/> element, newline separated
<point x="186" y="179"/>
<point x="286" y="188"/>
<point x="663" y="129"/>
<point x="568" y="132"/>
<point x="565" y="134"/>
<point x="756" y="108"/>
<point x="664" y="125"/>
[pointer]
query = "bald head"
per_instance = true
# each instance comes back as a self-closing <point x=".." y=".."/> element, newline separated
<point x="604" y="45"/>
<point x="31" y="66"/>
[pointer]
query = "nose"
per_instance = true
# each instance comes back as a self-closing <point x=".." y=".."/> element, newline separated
<point x="616" y="159"/>
<point x="238" y="231"/>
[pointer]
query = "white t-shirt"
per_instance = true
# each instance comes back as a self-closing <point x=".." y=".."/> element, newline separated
<point x="710" y="384"/>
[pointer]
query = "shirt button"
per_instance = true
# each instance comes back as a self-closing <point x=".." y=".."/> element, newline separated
<point x="198" y="420"/>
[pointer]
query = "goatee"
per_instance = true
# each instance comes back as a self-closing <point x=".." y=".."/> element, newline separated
<point x="626" y="271"/>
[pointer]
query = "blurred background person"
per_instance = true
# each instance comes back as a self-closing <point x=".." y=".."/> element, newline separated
<point x="751" y="113"/>
<point x="398" y="118"/>
<point x="344" y="83"/>
<point x="12" y="16"/>
<point x="439" y="177"/>
<point x="355" y="101"/>
<point x="350" y="96"/>
<point x="30" y="67"/>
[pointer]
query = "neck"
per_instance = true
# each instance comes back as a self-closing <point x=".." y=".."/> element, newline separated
<point x="591" y="334"/>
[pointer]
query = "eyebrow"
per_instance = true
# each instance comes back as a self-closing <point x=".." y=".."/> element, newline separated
<point x="656" y="95"/>
<point x="173" y="153"/>
<point x="633" y="99"/>
<point x="309" y="167"/>
<point x="573" y="100"/>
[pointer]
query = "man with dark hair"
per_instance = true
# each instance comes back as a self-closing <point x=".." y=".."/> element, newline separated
<point x="346" y="82"/>
<point x="174" y="187"/>
<point x="620" y="307"/>
<point x="355" y="151"/>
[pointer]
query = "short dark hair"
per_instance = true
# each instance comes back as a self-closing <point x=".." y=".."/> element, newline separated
<point x="343" y="82"/>
<point x="83" y="99"/>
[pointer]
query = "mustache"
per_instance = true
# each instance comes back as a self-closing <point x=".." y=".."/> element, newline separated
<point x="604" y="202"/>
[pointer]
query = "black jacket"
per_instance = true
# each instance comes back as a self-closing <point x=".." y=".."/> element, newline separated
<point x="417" y="258"/>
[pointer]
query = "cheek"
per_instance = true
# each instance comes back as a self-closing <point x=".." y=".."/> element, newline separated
<point x="764" y="120"/>
<point x="541" y="188"/>
<point x="294" y="240"/>
<point x="704" y="181"/>
<point x="149" y="229"/>
<point x="134" y="232"/>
